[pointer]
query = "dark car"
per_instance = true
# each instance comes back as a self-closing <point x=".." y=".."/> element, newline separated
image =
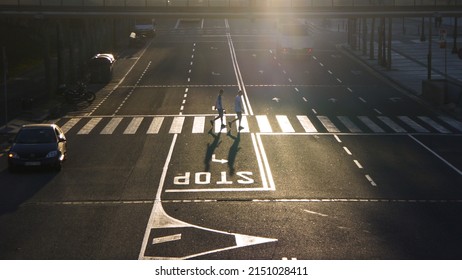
<point x="38" y="145"/>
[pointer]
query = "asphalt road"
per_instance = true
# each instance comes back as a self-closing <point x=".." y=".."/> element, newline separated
<point x="332" y="163"/>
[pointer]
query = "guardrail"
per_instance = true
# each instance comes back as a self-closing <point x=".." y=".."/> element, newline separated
<point x="231" y="3"/>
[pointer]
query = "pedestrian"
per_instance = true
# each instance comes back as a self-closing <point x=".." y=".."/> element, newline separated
<point x="219" y="108"/>
<point x="238" y="110"/>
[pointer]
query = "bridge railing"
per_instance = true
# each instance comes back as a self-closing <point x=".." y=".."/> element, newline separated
<point x="231" y="3"/>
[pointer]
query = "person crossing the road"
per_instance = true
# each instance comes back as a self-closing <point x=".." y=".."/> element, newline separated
<point x="238" y="110"/>
<point x="219" y="108"/>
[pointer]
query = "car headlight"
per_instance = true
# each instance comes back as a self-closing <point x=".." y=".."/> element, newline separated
<point x="52" y="154"/>
<point x="13" y="155"/>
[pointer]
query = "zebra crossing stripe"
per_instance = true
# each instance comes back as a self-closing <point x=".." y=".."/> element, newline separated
<point x="349" y="124"/>
<point x="370" y="124"/>
<point x="263" y="123"/>
<point x="434" y="124"/>
<point x="391" y="124"/>
<point x="284" y="124"/>
<point x="306" y="124"/>
<point x="452" y="122"/>
<point x="133" y="126"/>
<point x="89" y="126"/>
<point x="111" y="126"/>
<point x="218" y="127"/>
<point x="70" y="124"/>
<point x="414" y="125"/>
<point x="177" y="125"/>
<point x="328" y="124"/>
<point x="155" y="126"/>
<point x="199" y="124"/>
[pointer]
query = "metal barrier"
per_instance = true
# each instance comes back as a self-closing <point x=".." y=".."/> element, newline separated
<point x="232" y="3"/>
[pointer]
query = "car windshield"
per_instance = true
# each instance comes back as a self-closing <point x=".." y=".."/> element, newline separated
<point x="35" y="136"/>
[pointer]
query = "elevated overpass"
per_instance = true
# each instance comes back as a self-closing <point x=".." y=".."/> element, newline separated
<point x="229" y="8"/>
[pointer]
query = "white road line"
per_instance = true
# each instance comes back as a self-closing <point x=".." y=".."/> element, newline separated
<point x="269" y="174"/>
<point x="452" y="122"/>
<point x="155" y="125"/>
<point x="371" y="181"/>
<point x="358" y="164"/>
<point x="434" y="124"/>
<point x="198" y="125"/>
<point x="415" y="126"/>
<point x="218" y="127"/>
<point x="437" y="155"/>
<point x="391" y="124"/>
<point x="369" y="123"/>
<point x="349" y="124"/>
<point x="70" y="124"/>
<point x="263" y="123"/>
<point x="177" y="125"/>
<point x="328" y="124"/>
<point x="168" y="238"/>
<point x="306" y="124"/>
<point x="89" y="126"/>
<point x="244" y="124"/>
<point x="284" y="124"/>
<point x="111" y="126"/>
<point x="347" y="151"/>
<point x="133" y="125"/>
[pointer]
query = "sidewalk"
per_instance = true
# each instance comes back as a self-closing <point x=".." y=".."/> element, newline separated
<point x="409" y="66"/>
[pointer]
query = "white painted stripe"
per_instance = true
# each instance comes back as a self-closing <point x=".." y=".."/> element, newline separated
<point x="306" y="124"/>
<point x="434" y="124"/>
<point x="369" y="123"/>
<point x="371" y="181"/>
<point x="328" y="124"/>
<point x="264" y="180"/>
<point x="198" y="125"/>
<point x="437" y="155"/>
<point x="284" y="123"/>
<point x="349" y="124"/>
<point x="111" y="126"/>
<point x="133" y="126"/>
<point x="391" y="124"/>
<point x="155" y="125"/>
<point x="164" y="239"/>
<point x="269" y="174"/>
<point x="415" y="126"/>
<point x="263" y="123"/>
<point x="89" y="126"/>
<point x="347" y="150"/>
<point x="70" y="124"/>
<point x="358" y="164"/>
<point x="452" y="122"/>
<point x="218" y="127"/>
<point x="177" y="125"/>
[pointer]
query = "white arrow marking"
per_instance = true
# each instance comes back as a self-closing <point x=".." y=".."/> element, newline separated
<point x="276" y="99"/>
<point x="222" y="161"/>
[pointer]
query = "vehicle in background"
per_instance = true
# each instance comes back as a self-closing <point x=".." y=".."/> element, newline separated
<point x="294" y="38"/>
<point x="145" y="28"/>
<point x="100" y="68"/>
<point x="38" y="145"/>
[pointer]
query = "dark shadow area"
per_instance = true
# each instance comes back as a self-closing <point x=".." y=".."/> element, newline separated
<point x="211" y="147"/>
<point x="233" y="150"/>
<point x="18" y="187"/>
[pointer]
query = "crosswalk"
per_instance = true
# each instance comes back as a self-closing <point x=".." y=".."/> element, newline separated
<point x="130" y="125"/>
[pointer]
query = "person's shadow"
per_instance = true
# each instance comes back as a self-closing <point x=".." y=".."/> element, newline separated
<point x="233" y="150"/>
<point x="211" y="147"/>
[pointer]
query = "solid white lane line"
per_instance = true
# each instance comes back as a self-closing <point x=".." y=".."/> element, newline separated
<point x="269" y="174"/>
<point x="436" y="155"/>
